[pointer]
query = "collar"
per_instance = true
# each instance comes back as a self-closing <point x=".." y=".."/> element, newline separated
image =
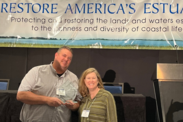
<point x="54" y="71"/>
<point x="99" y="94"/>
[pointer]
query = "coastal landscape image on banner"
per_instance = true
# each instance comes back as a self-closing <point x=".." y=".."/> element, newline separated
<point x="119" y="24"/>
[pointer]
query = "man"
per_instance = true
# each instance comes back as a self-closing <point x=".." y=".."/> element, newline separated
<point x="38" y="90"/>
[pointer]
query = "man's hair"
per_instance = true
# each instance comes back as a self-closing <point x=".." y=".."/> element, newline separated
<point x="65" y="47"/>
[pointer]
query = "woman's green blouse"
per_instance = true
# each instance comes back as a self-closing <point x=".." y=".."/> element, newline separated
<point x="102" y="108"/>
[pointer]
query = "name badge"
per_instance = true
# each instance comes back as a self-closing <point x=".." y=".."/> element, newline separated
<point x="85" y="113"/>
<point x="60" y="92"/>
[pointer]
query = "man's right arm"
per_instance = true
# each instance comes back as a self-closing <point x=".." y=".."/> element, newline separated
<point x="28" y="97"/>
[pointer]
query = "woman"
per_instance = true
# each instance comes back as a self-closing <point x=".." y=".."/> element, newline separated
<point x="97" y="105"/>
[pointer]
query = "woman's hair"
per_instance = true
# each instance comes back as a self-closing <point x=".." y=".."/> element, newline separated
<point x="82" y="86"/>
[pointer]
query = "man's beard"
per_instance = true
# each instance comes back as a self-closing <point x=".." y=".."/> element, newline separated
<point x="58" y="65"/>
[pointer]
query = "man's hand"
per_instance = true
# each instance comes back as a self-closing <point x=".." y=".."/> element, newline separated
<point x="55" y="102"/>
<point x="69" y="104"/>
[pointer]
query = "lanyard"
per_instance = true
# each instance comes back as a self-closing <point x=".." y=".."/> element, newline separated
<point x="90" y="104"/>
<point x="86" y="112"/>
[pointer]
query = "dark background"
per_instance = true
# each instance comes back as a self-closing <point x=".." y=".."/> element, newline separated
<point x="134" y="67"/>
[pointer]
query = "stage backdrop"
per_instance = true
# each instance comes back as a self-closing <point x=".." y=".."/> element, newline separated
<point x="111" y="24"/>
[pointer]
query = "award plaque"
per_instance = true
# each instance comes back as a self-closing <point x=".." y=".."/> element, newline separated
<point x="67" y="91"/>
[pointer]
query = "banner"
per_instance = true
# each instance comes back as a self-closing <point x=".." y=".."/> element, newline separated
<point x="107" y="24"/>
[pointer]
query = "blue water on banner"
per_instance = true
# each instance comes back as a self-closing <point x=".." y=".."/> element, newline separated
<point x="156" y="43"/>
